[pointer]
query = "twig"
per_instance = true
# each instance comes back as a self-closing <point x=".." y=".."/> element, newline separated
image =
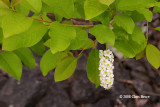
<point x="111" y="11"/>
<point x="119" y="101"/>
<point x="126" y="81"/>
<point x="85" y="48"/>
<point x="151" y="28"/>
<point x="84" y="26"/>
<point x="147" y="33"/>
<point x="136" y="100"/>
<point x="40" y="16"/>
<point x="42" y="20"/>
<point x="78" y="25"/>
<point x="73" y="21"/>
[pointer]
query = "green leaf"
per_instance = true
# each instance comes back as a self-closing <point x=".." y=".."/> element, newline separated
<point x="104" y="18"/>
<point x="126" y="48"/>
<point x="26" y="56"/>
<point x="78" y="44"/>
<point x="107" y="2"/>
<point x="49" y="61"/>
<point x="39" y="48"/>
<point x="46" y="8"/>
<point x="141" y="54"/>
<point x="29" y="38"/>
<point x="61" y="36"/>
<point x="125" y="22"/>
<point x="156" y="9"/>
<point x="130" y="45"/>
<point x="93" y="8"/>
<point x="79" y="9"/>
<point x="2" y="4"/>
<point x="138" y="35"/>
<point x="153" y="55"/>
<point x="6" y="2"/>
<point x="58" y="18"/>
<point x="15" y="23"/>
<point x="120" y="34"/>
<point x="137" y="17"/>
<point x="92" y="67"/>
<point x="15" y="2"/>
<point x="157" y="28"/>
<point x="33" y="5"/>
<point x="63" y="8"/>
<point x="22" y="10"/>
<point x="134" y="5"/>
<point x="1" y="35"/>
<point x="4" y="9"/>
<point x="11" y="63"/>
<point x="65" y="68"/>
<point x="147" y="14"/>
<point x="81" y="41"/>
<point x="103" y="34"/>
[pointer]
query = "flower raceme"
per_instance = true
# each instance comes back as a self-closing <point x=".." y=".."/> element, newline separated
<point x="106" y="68"/>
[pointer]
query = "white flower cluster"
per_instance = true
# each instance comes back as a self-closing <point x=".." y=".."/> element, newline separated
<point x="106" y="68"/>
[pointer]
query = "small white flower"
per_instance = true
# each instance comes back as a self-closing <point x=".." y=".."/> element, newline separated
<point x="103" y="61"/>
<point x="111" y="78"/>
<point x="103" y="84"/>
<point x="108" y="87"/>
<point x="108" y="64"/>
<point x="102" y="67"/>
<point x="101" y="52"/>
<point x="102" y="75"/>
<point x="101" y="56"/>
<point x="106" y="72"/>
<point x="111" y="57"/>
<point x="106" y="79"/>
<point x="111" y="68"/>
<point x="107" y="53"/>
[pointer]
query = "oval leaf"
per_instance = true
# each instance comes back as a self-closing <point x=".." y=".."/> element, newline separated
<point x="93" y="8"/>
<point x="49" y="61"/>
<point x="65" y="68"/>
<point x="11" y="63"/>
<point x="33" y="5"/>
<point x="39" y="48"/>
<point x="26" y="56"/>
<point x="107" y="2"/>
<point x="26" y="39"/>
<point x="92" y="67"/>
<point x="125" y="22"/>
<point x="64" y="8"/>
<point x="61" y="36"/>
<point x="153" y="55"/>
<point x="15" y="23"/>
<point x="103" y="34"/>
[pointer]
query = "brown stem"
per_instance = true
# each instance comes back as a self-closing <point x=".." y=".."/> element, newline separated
<point x="73" y="21"/>
<point x="147" y="33"/>
<point x="85" y="48"/>
<point x="78" y="25"/>
<point x="42" y="20"/>
<point x="84" y="26"/>
<point x="151" y="28"/>
<point x="40" y="16"/>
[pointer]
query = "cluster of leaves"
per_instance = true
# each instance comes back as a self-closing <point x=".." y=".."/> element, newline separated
<point x="22" y="33"/>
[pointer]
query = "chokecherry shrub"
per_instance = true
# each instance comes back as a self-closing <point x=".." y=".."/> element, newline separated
<point x="28" y="26"/>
